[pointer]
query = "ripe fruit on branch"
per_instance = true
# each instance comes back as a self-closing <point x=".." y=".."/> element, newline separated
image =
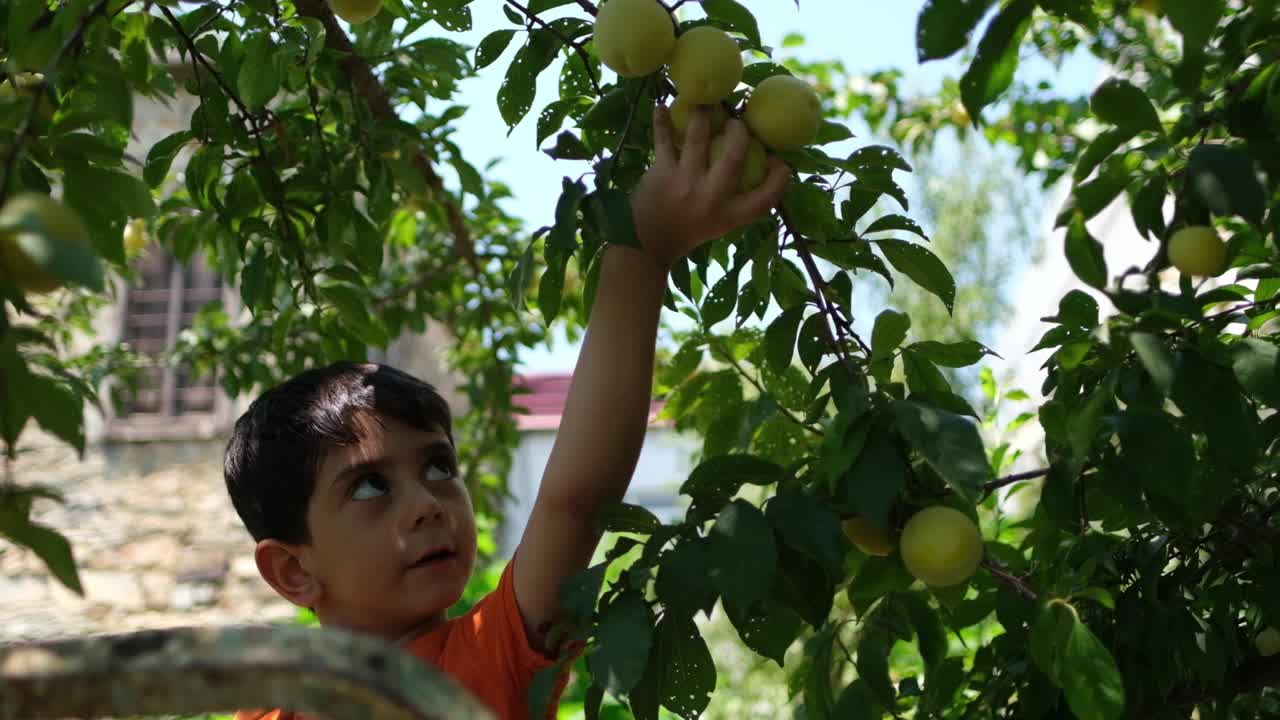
<point x="35" y="226"/>
<point x="755" y="167"/>
<point x="870" y="539"/>
<point x="356" y="11"/>
<point x="1197" y="250"/>
<point x="682" y="112"/>
<point x="784" y="112"/>
<point x="706" y="65"/>
<point x="634" y="37"/>
<point x="941" y="546"/>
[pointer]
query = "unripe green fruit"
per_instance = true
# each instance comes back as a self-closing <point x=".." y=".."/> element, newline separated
<point x="1197" y="250"/>
<point x="20" y="268"/>
<point x="356" y="11"/>
<point x="870" y="539"/>
<point x="706" y="65"/>
<point x="682" y="113"/>
<point x="755" y="167"/>
<point x="941" y="546"/>
<point x="784" y="112"/>
<point x="1268" y="642"/>
<point x="634" y="37"/>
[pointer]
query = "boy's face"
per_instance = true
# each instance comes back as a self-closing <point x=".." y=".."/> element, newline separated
<point x="393" y="534"/>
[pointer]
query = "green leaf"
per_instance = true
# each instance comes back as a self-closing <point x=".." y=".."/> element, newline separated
<point x="872" y="485"/>
<point x="607" y="212"/>
<point x="1084" y="253"/>
<point x="875" y="157"/>
<point x="719" y="478"/>
<point x="1256" y="364"/>
<point x="993" y="67"/>
<point x="941" y="684"/>
<point x="48" y="545"/>
<point x="1155" y="358"/>
<point x="949" y="442"/>
<point x="1073" y="657"/>
<point x="1195" y="19"/>
<point x="57" y="407"/>
<point x="520" y="85"/>
<point x="885" y="223"/>
<point x="890" y="330"/>
<point x="623" y="640"/>
<point x="1107" y="142"/>
<point x="259" y="80"/>
<point x="856" y="703"/>
<point x="922" y="266"/>
<point x="743" y="556"/>
<point x="1226" y="181"/>
<point x="810" y="527"/>
<point x="780" y="339"/>
<point x="944" y="27"/>
<point x="954" y="355"/>
<point x="680" y="674"/>
<point x="1160" y="455"/>
<point x="873" y="666"/>
<point x="876" y="578"/>
<point x="769" y="628"/>
<point x="1125" y="105"/>
<point x="491" y="47"/>
<point x="58" y="255"/>
<point x="931" y="636"/>
<point x="161" y="156"/>
<point x="551" y="286"/>
<point x="683" y="584"/>
<point x="627" y="518"/>
<point x="736" y="16"/>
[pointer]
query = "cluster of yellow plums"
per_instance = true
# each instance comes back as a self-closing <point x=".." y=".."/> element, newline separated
<point x="940" y="545"/>
<point x="635" y="38"/>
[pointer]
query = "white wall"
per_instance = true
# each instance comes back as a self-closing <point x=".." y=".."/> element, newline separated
<point x="665" y="462"/>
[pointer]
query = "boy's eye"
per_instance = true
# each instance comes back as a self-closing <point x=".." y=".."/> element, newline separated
<point x="369" y="487"/>
<point x="440" y="470"/>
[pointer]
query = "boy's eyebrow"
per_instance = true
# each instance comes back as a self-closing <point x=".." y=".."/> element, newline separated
<point x="427" y="449"/>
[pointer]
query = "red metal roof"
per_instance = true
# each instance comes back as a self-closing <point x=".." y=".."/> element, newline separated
<point x="546" y="398"/>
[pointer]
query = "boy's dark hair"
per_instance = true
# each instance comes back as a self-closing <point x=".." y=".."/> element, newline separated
<point x="278" y="444"/>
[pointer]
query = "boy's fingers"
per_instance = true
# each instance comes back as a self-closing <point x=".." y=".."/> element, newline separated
<point x="664" y="149"/>
<point x="747" y="208"/>
<point x="727" y="168"/>
<point x="693" y="156"/>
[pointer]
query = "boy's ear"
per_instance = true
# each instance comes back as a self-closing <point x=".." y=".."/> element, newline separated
<point x="280" y="564"/>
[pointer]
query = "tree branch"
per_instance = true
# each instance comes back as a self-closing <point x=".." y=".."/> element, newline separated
<point x="367" y="86"/>
<point x="577" y="46"/>
<point x="1011" y="479"/>
<point x="1013" y="580"/>
<point x="824" y="304"/>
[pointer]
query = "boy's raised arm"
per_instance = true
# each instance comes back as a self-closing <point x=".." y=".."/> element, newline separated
<point x="679" y="204"/>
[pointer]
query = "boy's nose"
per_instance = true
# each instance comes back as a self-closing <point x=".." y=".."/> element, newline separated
<point x="423" y="506"/>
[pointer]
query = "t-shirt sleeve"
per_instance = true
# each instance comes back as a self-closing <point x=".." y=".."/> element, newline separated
<point x="506" y="607"/>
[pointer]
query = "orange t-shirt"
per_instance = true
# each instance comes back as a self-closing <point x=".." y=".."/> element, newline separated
<point x="486" y="651"/>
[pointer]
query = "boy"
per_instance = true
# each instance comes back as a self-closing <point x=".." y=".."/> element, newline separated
<point x="346" y="478"/>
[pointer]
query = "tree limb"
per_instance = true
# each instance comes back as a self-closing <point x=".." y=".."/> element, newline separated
<point x="368" y="87"/>
<point x="188" y="671"/>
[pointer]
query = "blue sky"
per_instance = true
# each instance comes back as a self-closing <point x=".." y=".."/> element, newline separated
<point x="866" y="35"/>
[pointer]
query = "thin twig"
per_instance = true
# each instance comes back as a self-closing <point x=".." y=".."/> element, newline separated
<point x="586" y="5"/>
<point x="314" y="98"/>
<point x="626" y="129"/>
<point x="1011" y="479"/>
<point x="28" y="122"/>
<point x="1018" y="583"/>
<point x="824" y="305"/>
<point x="728" y="356"/>
<point x="577" y="46"/>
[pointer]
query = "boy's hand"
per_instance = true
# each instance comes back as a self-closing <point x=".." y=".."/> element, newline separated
<point x="681" y="202"/>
